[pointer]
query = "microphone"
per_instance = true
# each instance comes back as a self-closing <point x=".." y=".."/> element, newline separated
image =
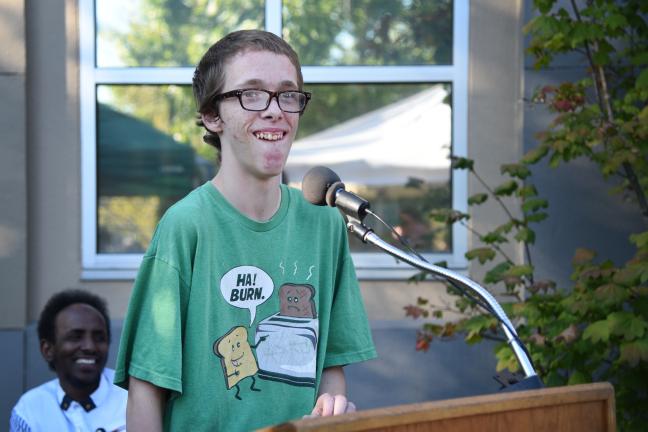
<point x="321" y="186"/>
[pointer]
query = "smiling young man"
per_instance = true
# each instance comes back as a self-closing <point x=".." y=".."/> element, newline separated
<point x="74" y="333"/>
<point x="246" y="305"/>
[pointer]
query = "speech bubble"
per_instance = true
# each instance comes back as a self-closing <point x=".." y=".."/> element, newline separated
<point x="246" y="287"/>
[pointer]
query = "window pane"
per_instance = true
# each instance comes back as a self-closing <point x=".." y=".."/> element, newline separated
<point x="389" y="143"/>
<point x="369" y="32"/>
<point x="146" y="33"/>
<point x="149" y="155"/>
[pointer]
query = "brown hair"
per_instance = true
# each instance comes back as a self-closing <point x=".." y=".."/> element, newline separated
<point x="209" y="76"/>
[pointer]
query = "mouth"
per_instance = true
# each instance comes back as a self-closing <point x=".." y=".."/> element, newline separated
<point x="269" y="136"/>
<point x="236" y="362"/>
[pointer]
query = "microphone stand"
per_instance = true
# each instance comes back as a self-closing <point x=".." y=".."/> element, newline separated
<point x="531" y="380"/>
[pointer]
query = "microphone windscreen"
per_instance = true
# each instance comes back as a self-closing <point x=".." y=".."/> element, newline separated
<point x="316" y="183"/>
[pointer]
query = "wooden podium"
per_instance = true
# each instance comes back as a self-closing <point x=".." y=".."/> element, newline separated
<point x="586" y="407"/>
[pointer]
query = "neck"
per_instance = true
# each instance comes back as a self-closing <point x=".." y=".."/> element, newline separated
<point x="258" y="199"/>
<point x="79" y="391"/>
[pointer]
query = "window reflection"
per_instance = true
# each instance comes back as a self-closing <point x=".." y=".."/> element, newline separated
<point x="145" y="33"/>
<point x="145" y="161"/>
<point x="388" y="142"/>
<point x="395" y="154"/>
<point x="369" y="32"/>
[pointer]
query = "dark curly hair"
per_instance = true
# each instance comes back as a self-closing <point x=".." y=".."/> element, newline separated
<point x="63" y="299"/>
<point x="209" y="76"/>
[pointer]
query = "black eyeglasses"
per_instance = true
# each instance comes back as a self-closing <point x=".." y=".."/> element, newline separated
<point x="291" y="101"/>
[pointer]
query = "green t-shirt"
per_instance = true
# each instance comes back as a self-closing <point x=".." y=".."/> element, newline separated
<point x="237" y="317"/>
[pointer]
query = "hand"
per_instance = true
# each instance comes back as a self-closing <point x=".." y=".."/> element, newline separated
<point x="328" y="405"/>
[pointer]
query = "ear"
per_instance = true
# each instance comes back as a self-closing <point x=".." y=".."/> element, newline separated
<point x="212" y="122"/>
<point x="47" y="350"/>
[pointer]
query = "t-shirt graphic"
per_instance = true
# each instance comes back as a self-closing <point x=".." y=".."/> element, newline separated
<point x="237" y="359"/>
<point x="288" y="353"/>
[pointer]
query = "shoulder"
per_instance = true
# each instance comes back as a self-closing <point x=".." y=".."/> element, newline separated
<point x="180" y="223"/>
<point x="113" y="390"/>
<point x="312" y="212"/>
<point x="37" y="400"/>
<point x="185" y="210"/>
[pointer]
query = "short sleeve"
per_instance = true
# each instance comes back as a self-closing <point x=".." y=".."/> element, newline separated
<point x="151" y="344"/>
<point x="349" y="339"/>
<point x="17" y="423"/>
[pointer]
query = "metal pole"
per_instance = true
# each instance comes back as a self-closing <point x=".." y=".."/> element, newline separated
<point x="368" y="236"/>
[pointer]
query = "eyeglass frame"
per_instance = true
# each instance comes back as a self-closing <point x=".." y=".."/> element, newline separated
<point x="273" y="95"/>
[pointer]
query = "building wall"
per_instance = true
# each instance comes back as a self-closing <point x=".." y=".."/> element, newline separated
<point x="41" y="178"/>
<point x="13" y="196"/>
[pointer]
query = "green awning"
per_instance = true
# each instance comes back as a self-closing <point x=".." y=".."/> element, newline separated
<point x="136" y="159"/>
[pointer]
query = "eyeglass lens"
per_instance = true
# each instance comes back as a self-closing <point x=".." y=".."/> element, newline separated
<point x="289" y="101"/>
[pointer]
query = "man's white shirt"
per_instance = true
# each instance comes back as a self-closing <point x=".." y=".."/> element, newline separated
<point x="40" y="409"/>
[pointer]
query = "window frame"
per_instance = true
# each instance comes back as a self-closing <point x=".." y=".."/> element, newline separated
<point x="369" y="265"/>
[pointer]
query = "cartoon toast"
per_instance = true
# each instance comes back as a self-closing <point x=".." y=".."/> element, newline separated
<point x="237" y="360"/>
<point x="297" y="301"/>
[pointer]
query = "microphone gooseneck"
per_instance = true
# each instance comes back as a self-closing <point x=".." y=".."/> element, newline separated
<point x="322" y="186"/>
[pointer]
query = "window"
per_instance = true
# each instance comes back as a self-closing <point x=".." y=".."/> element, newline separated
<point x="389" y="84"/>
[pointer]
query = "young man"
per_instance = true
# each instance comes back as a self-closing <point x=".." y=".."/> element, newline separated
<point x="74" y="333"/>
<point x="246" y="306"/>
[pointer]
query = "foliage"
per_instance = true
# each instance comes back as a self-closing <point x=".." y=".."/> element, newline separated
<point x="597" y="329"/>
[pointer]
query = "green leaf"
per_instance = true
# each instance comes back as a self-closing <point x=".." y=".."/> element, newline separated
<point x="527" y="191"/>
<point x="537" y="217"/>
<point x="516" y="170"/>
<point x="641" y="239"/>
<point x="617" y="21"/>
<point x="520" y="271"/>
<point x="628" y="276"/>
<point x="496" y="274"/>
<point x="505" y="228"/>
<point x="535" y="155"/>
<point x="598" y="331"/>
<point x="534" y="204"/>
<point x="642" y="80"/>
<point x="461" y="163"/>
<point x="447" y="216"/>
<point x="477" y="199"/>
<point x="525" y="235"/>
<point x="583" y="256"/>
<point x="482" y="254"/>
<point x="493" y="238"/>
<point x="578" y="377"/>
<point x="506" y="188"/>
<point x="634" y="352"/>
<point x="626" y="324"/>
<point x="611" y="294"/>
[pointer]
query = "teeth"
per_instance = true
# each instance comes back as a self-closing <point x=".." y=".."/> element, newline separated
<point x="270" y="136"/>
<point x="86" y="361"/>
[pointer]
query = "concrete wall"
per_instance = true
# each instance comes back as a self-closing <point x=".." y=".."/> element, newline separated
<point x="13" y="196"/>
<point x="44" y="219"/>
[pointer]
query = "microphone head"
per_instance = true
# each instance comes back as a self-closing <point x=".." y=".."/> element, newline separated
<point x="316" y="184"/>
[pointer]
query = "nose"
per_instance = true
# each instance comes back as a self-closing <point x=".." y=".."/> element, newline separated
<point x="273" y="110"/>
<point x="88" y="344"/>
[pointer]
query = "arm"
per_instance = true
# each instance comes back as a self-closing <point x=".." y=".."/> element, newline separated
<point x="332" y="394"/>
<point x="145" y="407"/>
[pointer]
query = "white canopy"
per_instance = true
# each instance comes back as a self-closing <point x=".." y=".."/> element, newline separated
<point x="409" y="138"/>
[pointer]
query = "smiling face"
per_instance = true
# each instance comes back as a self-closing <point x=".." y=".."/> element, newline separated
<point x="255" y="143"/>
<point x="80" y="348"/>
<point x="237" y="359"/>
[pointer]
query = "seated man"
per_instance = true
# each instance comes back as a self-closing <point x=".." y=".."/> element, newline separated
<point x="74" y="334"/>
